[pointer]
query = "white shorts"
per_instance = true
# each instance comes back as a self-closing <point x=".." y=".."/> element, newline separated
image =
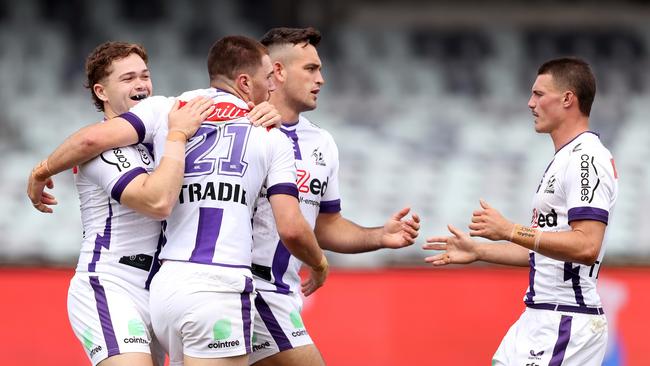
<point x="553" y="338"/>
<point x="202" y="311"/>
<point x="278" y="325"/>
<point x="110" y="316"/>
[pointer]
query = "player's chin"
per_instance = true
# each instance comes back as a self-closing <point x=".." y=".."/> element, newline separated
<point x="311" y="104"/>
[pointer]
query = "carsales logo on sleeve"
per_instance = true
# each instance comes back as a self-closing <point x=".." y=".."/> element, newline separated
<point x="586" y="166"/>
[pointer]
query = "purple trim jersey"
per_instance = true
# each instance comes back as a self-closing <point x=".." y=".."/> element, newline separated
<point x="317" y="162"/>
<point x="117" y="240"/>
<point x="226" y="163"/>
<point x="580" y="183"/>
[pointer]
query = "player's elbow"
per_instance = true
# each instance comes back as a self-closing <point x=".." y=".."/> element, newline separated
<point x="91" y="143"/>
<point x="161" y="209"/>
<point x="589" y="255"/>
<point x="290" y="233"/>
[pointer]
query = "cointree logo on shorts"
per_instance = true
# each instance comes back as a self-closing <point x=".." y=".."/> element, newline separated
<point x="136" y="332"/>
<point x="221" y="331"/>
<point x="296" y="320"/>
<point x="260" y="346"/>
<point x="89" y="344"/>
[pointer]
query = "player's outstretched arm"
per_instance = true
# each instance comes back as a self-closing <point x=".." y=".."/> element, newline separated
<point x="338" y="234"/>
<point x="155" y="195"/>
<point x="80" y="147"/>
<point x="579" y="245"/>
<point x="297" y="236"/>
<point x="459" y="248"/>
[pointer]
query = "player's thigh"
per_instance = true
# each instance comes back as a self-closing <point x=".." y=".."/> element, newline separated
<point x="278" y="326"/>
<point x="190" y="321"/>
<point x="226" y="361"/>
<point x="307" y="355"/>
<point x="128" y="359"/>
<point x="106" y="318"/>
<point x="540" y="336"/>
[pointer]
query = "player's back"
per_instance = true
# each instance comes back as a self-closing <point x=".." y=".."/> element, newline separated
<point x="226" y="164"/>
<point x="117" y="240"/>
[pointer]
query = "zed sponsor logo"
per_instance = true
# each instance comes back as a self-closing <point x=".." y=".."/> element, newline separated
<point x="306" y="185"/>
<point x="587" y="162"/>
<point x="543" y="220"/>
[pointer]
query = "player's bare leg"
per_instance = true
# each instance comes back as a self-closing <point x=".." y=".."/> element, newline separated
<point x="128" y="359"/>
<point x="226" y="361"/>
<point x="307" y="355"/>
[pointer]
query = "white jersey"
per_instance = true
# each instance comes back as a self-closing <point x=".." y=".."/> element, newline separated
<point x="580" y="183"/>
<point x="117" y="240"/>
<point x="317" y="161"/>
<point x="226" y="163"/>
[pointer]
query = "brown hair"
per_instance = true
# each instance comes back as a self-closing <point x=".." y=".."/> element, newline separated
<point x="234" y="54"/>
<point x="98" y="63"/>
<point x="283" y="35"/>
<point x="573" y="74"/>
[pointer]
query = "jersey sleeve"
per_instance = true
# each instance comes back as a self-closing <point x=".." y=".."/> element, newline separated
<point x="281" y="177"/>
<point x="114" y="169"/>
<point x="590" y="186"/>
<point x="148" y="116"/>
<point x="331" y="202"/>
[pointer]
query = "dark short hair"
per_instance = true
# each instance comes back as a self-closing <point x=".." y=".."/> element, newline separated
<point x="98" y="63"/>
<point x="573" y="74"/>
<point x="232" y="55"/>
<point x="283" y="35"/>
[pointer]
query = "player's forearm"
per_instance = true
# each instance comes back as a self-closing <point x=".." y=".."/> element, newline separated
<point x="88" y="142"/>
<point x="568" y="246"/>
<point x="157" y="193"/>
<point x="503" y="253"/>
<point x="294" y="231"/>
<point x="341" y="235"/>
<point x="301" y="243"/>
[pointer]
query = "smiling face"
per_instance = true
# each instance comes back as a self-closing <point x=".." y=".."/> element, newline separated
<point x="127" y="83"/>
<point x="546" y="104"/>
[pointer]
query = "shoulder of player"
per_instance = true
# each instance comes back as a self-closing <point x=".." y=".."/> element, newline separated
<point x="188" y="95"/>
<point x="589" y="147"/>
<point x="306" y="125"/>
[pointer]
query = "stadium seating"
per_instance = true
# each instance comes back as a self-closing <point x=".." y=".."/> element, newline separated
<point x="433" y="118"/>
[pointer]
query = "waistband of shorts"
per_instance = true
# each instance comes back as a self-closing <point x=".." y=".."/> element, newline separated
<point x="567" y="308"/>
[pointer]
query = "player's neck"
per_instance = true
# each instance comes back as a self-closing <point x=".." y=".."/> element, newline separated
<point x="229" y="87"/>
<point x="568" y="130"/>
<point x="109" y="112"/>
<point x="287" y="113"/>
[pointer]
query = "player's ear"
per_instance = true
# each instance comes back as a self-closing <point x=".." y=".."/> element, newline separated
<point x="100" y="92"/>
<point x="568" y="99"/>
<point x="244" y="82"/>
<point x="279" y="71"/>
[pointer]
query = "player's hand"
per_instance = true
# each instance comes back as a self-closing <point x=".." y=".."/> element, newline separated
<point x="489" y="224"/>
<point x="264" y="114"/>
<point x="188" y="118"/>
<point x="41" y="200"/>
<point x="316" y="279"/>
<point x="458" y="249"/>
<point x="398" y="233"/>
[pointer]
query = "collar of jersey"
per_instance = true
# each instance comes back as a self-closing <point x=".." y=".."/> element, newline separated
<point x="573" y="139"/>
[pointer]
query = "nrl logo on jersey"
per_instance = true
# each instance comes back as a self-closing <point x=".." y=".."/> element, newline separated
<point x="318" y="157"/>
<point x="535" y="355"/>
<point x="578" y="147"/>
<point x="550" y="185"/>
